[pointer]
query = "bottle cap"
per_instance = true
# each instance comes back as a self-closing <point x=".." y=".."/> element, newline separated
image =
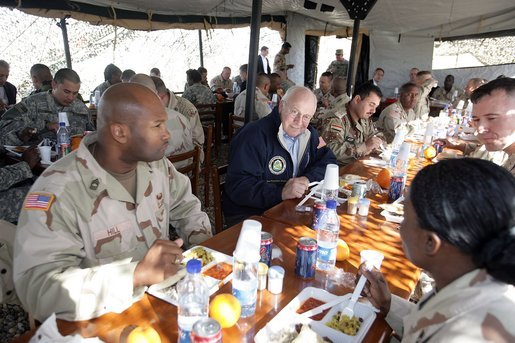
<point x="193" y="266"/>
<point x="62" y="124"/>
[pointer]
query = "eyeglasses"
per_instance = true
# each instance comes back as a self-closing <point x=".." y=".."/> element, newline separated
<point x="294" y="113"/>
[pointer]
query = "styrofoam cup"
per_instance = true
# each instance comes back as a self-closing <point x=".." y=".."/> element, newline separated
<point x="249" y="242"/>
<point x="371" y="258"/>
<point x="332" y="177"/>
<point x="45" y="153"/>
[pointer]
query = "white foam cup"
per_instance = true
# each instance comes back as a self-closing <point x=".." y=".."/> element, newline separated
<point x="45" y="153"/>
<point x="371" y="258"/>
<point x="332" y="178"/>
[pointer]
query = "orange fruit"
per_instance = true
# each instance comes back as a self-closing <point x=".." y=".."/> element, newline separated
<point x="143" y="335"/>
<point x="430" y="152"/>
<point x="383" y="178"/>
<point x="342" y="250"/>
<point x="226" y="309"/>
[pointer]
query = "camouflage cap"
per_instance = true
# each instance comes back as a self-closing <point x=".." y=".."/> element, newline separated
<point x="339" y="52"/>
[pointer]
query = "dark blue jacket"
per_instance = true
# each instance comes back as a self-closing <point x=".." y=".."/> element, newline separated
<point x="259" y="166"/>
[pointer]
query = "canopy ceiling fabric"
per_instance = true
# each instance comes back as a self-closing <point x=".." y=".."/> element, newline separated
<point x="437" y="18"/>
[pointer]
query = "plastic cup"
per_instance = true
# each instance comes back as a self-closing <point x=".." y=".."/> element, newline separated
<point x="63" y="117"/>
<point x="249" y="242"/>
<point x="371" y="259"/>
<point x="363" y="206"/>
<point x="275" y="279"/>
<point x="332" y="177"/>
<point x="45" y="153"/>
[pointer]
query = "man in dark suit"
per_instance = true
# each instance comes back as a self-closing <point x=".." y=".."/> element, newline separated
<point x="263" y="65"/>
<point x="7" y="90"/>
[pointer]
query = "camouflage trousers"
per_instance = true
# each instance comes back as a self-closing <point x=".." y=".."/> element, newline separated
<point x="11" y="202"/>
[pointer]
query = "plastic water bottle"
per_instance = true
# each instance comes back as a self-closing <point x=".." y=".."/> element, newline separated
<point x="245" y="284"/>
<point x="327" y="238"/>
<point x="396" y="145"/>
<point x="193" y="296"/>
<point x="63" y="140"/>
<point x="398" y="180"/>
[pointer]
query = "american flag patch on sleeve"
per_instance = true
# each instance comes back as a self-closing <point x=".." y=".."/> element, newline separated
<point x="38" y="201"/>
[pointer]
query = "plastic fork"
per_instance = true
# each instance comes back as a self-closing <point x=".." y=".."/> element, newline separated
<point x="349" y="309"/>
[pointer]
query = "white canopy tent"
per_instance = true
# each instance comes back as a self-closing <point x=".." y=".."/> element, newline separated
<point x="402" y="32"/>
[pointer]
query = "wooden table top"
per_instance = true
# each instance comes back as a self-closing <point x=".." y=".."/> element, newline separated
<point x="163" y="316"/>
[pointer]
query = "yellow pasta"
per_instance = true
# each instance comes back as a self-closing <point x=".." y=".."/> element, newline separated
<point x="349" y="326"/>
<point x="200" y="253"/>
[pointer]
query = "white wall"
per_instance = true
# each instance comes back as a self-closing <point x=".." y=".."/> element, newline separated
<point x="397" y="58"/>
<point x="462" y="75"/>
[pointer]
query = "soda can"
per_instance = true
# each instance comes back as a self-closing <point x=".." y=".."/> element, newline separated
<point x="396" y="187"/>
<point x="206" y="330"/>
<point x="359" y="189"/>
<point x="266" y="248"/>
<point x="305" y="260"/>
<point x="319" y="210"/>
<point x="438" y="147"/>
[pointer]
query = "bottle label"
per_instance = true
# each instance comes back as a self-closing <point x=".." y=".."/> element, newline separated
<point x="326" y="254"/>
<point x="246" y="297"/>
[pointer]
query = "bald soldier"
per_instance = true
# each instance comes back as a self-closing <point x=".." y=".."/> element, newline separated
<point x="93" y="231"/>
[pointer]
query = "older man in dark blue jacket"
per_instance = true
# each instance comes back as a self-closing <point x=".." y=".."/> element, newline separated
<point x="275" y="158"/>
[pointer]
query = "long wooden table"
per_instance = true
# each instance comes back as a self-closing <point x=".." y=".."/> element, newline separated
<point x="150" y="311"/>
<point x="361" y="233"/>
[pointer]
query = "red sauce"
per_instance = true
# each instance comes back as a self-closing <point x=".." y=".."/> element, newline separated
<point x="310" y="304"/>
<point x="219" y="271"/>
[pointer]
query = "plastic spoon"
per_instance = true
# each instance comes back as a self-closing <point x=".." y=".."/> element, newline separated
<point x="349" y="309"/>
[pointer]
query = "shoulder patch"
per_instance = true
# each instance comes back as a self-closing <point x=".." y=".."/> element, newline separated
<point x="336" y="128"/>
<point x="38" y="201"/>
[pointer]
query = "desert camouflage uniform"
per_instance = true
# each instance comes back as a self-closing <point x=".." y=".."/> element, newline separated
<point x="280" y="63"/>
<point x="199" y="94"/>
<point x="181" y="135"/>
<point x="421" y="108"/>
<point x="78" y="257"/>
<point x="336" y="106"/>
<point x="339" y="68"/>
<point x="188" y="110"/>
<point x="11" y="198"/>
<point x="219" y="82"/>
<point x="500" y="158"/>
<point x="7" y="291"/>
<point x="441" y="94"/>
<point x="261" y="106"/>
<point x="346" y="140"/>
<point x="392" y="117"/>
<point x="102" y="87"/>
<point x="38" y="110"/>
<point x="473" y="308"/>
<point x="320" y="95"/>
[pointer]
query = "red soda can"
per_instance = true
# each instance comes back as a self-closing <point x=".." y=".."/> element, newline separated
<point x="305" y="259"/>
<point x="396" y="187"/>
<point x="206" y="330"/>
<point x="319" y="210"/>
<point x="266" y="248"/>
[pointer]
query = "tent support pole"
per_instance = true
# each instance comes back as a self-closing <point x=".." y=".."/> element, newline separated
<point x="201" y="48"/>
<point x="62" y="25"/>
<point x="352" y="60"/>
<point x="252" y="66"/>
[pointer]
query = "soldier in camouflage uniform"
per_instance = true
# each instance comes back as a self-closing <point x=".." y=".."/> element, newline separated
<point x="222" y="83"/>
<point x="15" y="181"/>
<point x="184" y="107"/>
<point x="351" y="134"/>
<point x="333" y="103"/>
<point x="94" y="228"/>
<point x="112" y="76"/>
<point x="467" y="250"/>
<point x="399" y="113"/>
<point x="340" y="66"/>
<point x="41" y="111"/>
<point x="41" y="78"/>
<point x="425" y="82"/>
<point x="197" y="93"/>
<point x="280" y="60"/>
<point x="324" y="90"/>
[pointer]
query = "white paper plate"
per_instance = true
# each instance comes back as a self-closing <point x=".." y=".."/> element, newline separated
<point x="166" y="291"/>
<point x="13" y="149"/>
<point x="287" y="318"/>
<point x="375" y="162"/>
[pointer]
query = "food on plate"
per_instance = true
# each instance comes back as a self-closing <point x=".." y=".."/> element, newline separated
<point x="200" y="253"/>
<point x="349" y="326"/>
<point x="300" y="333"/>
<point x="394" y="208"/>
<point x="219" y="271"/>
<point x="342" y="251"/>
<point x="310" y="304"/>
<point x="19" y="148"/>
<point x="226" y="309"/>
<point x="143" y="335"/>
<point x="383" y="178"/>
